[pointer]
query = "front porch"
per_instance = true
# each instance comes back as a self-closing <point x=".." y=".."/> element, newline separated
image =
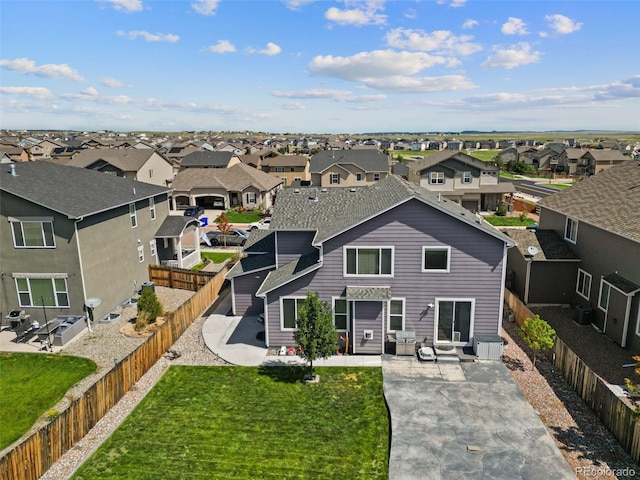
<point x="175" y="248"/>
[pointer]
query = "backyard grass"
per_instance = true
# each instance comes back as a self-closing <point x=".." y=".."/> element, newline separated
<point x="235" y="217"/>
<point x="217" y="257"/>
<point x="498" y="221"/>
<point x="32" y="383"/>
<point x="251" y="422"/>
<point x="484" y="155"/>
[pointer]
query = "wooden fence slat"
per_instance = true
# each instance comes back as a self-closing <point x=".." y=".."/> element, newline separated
<point x="31" y="458"/>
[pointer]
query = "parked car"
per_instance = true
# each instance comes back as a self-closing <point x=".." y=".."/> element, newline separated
<point x="261" y="225"/>
<point x="235" y="237"/>
<point x="194" y="211"/>
<point x="533" y="226"/>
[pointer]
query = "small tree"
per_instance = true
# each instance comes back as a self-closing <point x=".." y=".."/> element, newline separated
<point x="224" y="226"/>
<point x="538" y="335"/>
<point x="315" y="335"/>
<point x="149" y="304"/>
<point x="632" y="386"/>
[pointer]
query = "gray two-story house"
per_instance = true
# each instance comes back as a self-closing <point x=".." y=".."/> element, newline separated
<point x="389" y="257"/>
<point x="599" y="219"/>
<point x="70" y="234"/>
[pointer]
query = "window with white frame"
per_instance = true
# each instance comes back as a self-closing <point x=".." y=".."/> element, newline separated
<point x="436" y="178"/>
<point x="359" y="177"/>
<point x="436" y="259"/>
<point x="32" y="233"/>
<point x="251" y="197"/>
<point x="278" y="169"/>
<point x="133" y="216"/>
<point x="340" y="314"/>
<point x="152" y="208"/>
<point x="334" y="179"/>
<point x="396" y="315"/>
<point x="376" y="177"/>
<point x="141" y="253"/>
<point x="571" y="230"/>
<point x="367" y="261"/>
<point x="151" y="173"/>
<point x="583" y="285"/>
<point x="603" y="300"/>
<point x="289" y="312"/>
<point x="36" y="292"/>
<point x="467" y="177"/>
<point x="152" y="248"/>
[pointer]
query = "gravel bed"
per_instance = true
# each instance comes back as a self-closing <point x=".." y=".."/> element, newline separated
<point x="583" y="440"/>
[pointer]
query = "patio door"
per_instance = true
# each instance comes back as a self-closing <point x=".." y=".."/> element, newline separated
<point x="454" y="321"/>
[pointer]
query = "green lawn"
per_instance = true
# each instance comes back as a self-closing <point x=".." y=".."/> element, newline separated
<point x="498" y="221"/>
<point x="31" y="384"/>
<point x="484" y="155"/>
<point x="217" y="257"/>
<point x="252" y="422"/>
<point x="235" y="217"/>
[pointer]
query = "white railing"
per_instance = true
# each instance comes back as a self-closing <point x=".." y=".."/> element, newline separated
<point x="190" y="260"/>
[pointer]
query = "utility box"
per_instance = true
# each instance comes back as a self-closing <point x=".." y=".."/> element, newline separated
<point x="582" y="315"/>
<point x="488" y="347"/>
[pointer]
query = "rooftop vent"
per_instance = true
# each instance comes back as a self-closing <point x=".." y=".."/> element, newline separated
<point x="324" y="190"/>
<point x="13" y="170"/>
<point x="297" y="190"/>
<point x="352" y="190"/>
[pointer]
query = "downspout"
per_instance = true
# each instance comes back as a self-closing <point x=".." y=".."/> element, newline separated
<point x="527" y="280"/>
<point x="84" y="287"/>
<point x="502" y="287"/>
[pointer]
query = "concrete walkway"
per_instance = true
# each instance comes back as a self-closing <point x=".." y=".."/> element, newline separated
<point x="466" y="420"/>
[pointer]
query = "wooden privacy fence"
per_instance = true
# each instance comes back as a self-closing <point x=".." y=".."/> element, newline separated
<point x="613" y="411"/>
<point x="30" y="459"/>
<point x="182" y="278"/>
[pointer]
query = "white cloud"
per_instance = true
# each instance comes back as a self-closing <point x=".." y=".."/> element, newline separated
<point x="342" y="96"/>
<point x="469" y="23"/>
<point x="90" y="91"/>
<point x="112" y="82"/>
<point x="271" y="50"/>
<point x="223" y="46"/>
<point x="50" y="70"/>
<point x="149" y="37"/>
<point x="514" y="26"/>
<point x="297" y="4"/>
<point x="293" y="106"/>
<point x="562" y="25"/>
<point x="515" y="56"/>
<point x="406" y="84"/>
<point x="205" y="7"/>
<point x="452" y="3"/>
<point x="39" y="93"/>
<point x="126" y="5"/>
<point x="440" y="41"/>
<point x="365" y="13"/>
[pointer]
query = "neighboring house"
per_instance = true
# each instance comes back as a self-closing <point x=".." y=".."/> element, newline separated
<point x="600" y="160"/>
<point x="549" y="158"/>
<point x="207" y="159"/>
<point x="575" y="161"/>
<point x="221" y="188"/>
<point x="172" y="251"/>
<point x="389" y="257"/>
<point x="143" y="165"/>
<point x="69" y="234"/>
<point x="255" y="159"/>
<point x="348" y="168"/>
<point x="43" y="149"/>
<point x="288" y="168"/>
<point x="15" y="154"/>
<point x="599" y="219"/>
<point x="462" y="178"/>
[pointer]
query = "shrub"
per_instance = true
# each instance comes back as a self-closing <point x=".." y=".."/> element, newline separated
<point x="149" y="303"/>
<point x="52" y="414"/>
<point x="502" y="210"/>
<point x="142" y="321"/>
<point x="523" y="216"/>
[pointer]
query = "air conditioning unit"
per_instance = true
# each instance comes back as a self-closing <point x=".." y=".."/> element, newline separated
<point x="368" y="334"/>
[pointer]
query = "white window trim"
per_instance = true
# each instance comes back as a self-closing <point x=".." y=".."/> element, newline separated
<point x="638" y="323"/>
<point x="587" y="274"/>
<point x="133" y="215"/>
<point x="404" y="313"/>
<point x="359" y="177"/>
<point x="436" y="317"/>
<point x="152" y="247"/>
<point x="331" y="176"/>
<point x="436" y="178"/>
<point x="152" y="208"/>
<point x="467" y="177"/>
<point x="248" y="197"/>
<point x="430" y="270"/>
<point x="141" y="253"/>
<point x="41" y="221"/>
<point x="376" y="177"/>
<point x="52" y="277"/>
<point x="575" y="230"/>
<point x="602" y="283"/>
<point x="333" y="313"/>
<point x="282" y="299"/>
<point x="364" y="247"/>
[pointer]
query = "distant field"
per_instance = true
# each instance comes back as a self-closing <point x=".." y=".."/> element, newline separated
<point x="484" y="155"/>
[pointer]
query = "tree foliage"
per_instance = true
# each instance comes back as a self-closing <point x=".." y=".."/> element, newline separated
<point x="224" y="226"/>
<point x="315" y="335"/>
<point x="149" y="304"/>
<point x="538" y="335"/>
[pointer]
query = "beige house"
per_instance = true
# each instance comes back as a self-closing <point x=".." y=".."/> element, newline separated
<point x="288" y="168"/>
<point x="349" y="168"/>
<point x="143" y="165"/>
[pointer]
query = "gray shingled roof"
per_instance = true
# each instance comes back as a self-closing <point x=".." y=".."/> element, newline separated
<point x="71" y="191"/>
<point x="548" y="243"/>
<point x="431" y="160"/>
<point x="127" y="160"/>
<point x="339" y="209"/>
<point x="621" y="283"/>
<point x="286" y="161"/>
<point x="609" y="200"/>
<point x="367" y="160"/>
<point x="206" y="159"/>
<point x="260" y="250"/>
<point x="297" y="268"/>
<point x="233" y="179"/>
<point x="174" y="225"/>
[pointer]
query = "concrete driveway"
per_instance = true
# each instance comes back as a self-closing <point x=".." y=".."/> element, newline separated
<point x="464" y="421"/>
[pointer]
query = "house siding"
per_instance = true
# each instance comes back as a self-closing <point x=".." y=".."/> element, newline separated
<point x="554" y="282"/>
<point x="476" y="268"/>
<point x="601" y="253"/>
<point x="292" y="245"/>
<point x="244" y="293"/>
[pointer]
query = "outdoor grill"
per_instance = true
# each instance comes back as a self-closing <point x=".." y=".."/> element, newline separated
<point x="405" y="342"/>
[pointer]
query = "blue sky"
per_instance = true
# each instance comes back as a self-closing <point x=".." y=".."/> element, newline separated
<point x="319" y="66"/>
